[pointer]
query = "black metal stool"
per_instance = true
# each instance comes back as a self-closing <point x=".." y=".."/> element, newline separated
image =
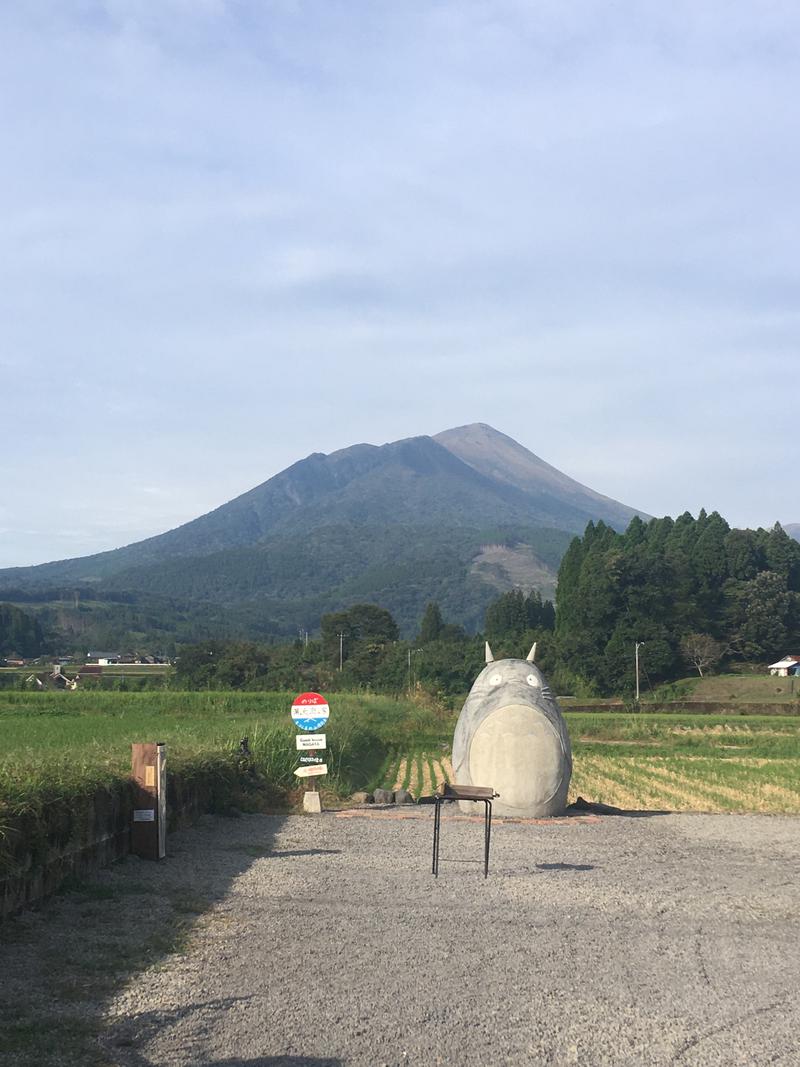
<point x="485" y="794"/>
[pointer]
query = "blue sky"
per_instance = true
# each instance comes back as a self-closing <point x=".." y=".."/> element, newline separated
<point x="238" y="232"/>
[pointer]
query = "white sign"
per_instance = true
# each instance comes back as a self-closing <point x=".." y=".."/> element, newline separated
<point x="310" y="711"/>
<point x="311" y="741"/>
<point x="312" y="771"/>
<point x="144" y="815"/>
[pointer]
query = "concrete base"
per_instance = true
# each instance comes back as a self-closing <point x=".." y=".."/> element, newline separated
<point x="312" y="803"/>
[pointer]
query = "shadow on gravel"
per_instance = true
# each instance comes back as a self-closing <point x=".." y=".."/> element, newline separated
<point x="308" y="852"/>
<point x="565" y="866"/>
<point x="581" y="806"/>
<point x="63" y="962"/>
<point x="276" y="1061"/>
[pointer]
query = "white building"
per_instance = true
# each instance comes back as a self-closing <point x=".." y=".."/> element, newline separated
<point x="786" y="666"/>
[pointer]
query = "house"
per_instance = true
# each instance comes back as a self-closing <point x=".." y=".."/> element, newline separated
<point x="56" y="679"/>
<point x="789" y="665"/>
<point x="59" y="680"/>
<point x="103" y="658"/>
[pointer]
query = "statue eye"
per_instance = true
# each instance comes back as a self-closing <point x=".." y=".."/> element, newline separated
<point x="533" y="680"/>
<point x="495" y="679"/>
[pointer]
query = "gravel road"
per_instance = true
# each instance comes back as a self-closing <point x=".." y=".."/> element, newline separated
<point x="658" y="939"/>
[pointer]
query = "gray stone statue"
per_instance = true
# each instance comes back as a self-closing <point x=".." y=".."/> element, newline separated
<point x="511" y="735"/>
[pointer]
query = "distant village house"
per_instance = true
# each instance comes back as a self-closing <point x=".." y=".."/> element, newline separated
<point x="789" y="665"/>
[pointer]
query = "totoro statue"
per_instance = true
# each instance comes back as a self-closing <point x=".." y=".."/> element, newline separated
<point x="511" y="735"/>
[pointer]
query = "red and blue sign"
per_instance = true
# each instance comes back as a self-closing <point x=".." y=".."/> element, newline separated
<point x="310" y="711"/>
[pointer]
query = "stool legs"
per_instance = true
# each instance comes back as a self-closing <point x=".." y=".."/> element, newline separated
<point x="437" y="830"/>
<point x="487" y="835"/>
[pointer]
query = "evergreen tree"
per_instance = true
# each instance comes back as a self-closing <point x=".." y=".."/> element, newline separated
<point x="20" y="633"/>
<point x="432" y="624"/>
<point x="668" y="582"/>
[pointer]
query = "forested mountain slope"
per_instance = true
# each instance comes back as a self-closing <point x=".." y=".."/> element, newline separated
<point x="469" y="477"/>
<point x="397" y="524"/>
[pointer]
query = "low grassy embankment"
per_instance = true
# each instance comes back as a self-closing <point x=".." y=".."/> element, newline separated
<point x="60" y="750"/>
<point x="65" y="757"/>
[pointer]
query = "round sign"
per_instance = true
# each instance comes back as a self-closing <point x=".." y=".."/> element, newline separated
<point x="310" y="711"/>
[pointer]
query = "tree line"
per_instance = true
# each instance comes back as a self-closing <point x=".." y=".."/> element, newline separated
<point x="360" y="648"/>
<point x="695" y="592"/>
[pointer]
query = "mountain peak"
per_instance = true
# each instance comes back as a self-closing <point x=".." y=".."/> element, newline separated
<point x="469" y="476"/>
<point x="500" y="457"/>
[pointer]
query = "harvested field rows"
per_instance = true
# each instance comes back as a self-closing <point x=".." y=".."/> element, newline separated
<point x="419" y="772"/>
<point x="641" y="781"/>
<point x="697" y="783"/>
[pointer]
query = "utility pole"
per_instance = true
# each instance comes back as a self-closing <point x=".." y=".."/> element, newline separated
<point x="341" y="650"/>
<point x="410" y="652"/>
<point x="637" y="646"/>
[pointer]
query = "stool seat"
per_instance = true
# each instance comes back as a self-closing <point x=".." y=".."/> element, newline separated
<point x="466" y="792"/>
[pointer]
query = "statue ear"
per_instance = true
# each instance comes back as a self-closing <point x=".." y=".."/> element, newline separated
<point x="489" y="656"/>
<point x="532" y="654"/>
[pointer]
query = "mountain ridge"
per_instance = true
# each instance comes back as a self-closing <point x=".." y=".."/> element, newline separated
<point x="454" y="517"/>
<point x="365" y="480"/>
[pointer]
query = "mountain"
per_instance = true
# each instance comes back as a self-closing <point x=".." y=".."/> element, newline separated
<point x="455" y="517"/>
<point x="555" y="496"/>
<point x="793" y="529"/>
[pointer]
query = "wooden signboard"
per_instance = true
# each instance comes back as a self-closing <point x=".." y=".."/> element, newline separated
<point x="149" y="818"/>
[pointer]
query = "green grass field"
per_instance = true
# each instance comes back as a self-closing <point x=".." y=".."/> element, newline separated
<point x="57" y="743"/>
<point x="60" y="749"/>
<point x="51" y="738"/>
<point x="755" y="688"/>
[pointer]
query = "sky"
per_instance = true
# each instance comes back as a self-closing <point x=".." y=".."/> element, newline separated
<point x="235" y="232"/>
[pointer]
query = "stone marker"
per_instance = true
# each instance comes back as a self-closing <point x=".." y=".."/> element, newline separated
<point x="511" y="735"/>
<point x="312" y="803"/>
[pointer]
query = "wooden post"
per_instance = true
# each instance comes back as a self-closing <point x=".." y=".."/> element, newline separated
<point x="149" y="816"/>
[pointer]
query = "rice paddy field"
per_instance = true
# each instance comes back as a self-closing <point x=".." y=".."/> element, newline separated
<point x="55" y="743"/>
<point x="658" y="762"/>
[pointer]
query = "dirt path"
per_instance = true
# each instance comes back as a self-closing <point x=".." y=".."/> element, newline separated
<point x="703" y="977"/>
<point x="324" y="942"/>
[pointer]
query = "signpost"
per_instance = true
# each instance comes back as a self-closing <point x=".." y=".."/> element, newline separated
<point x="311" y="772"/>
<point x="310" y="713"/>
<point x="311" y="741"/>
